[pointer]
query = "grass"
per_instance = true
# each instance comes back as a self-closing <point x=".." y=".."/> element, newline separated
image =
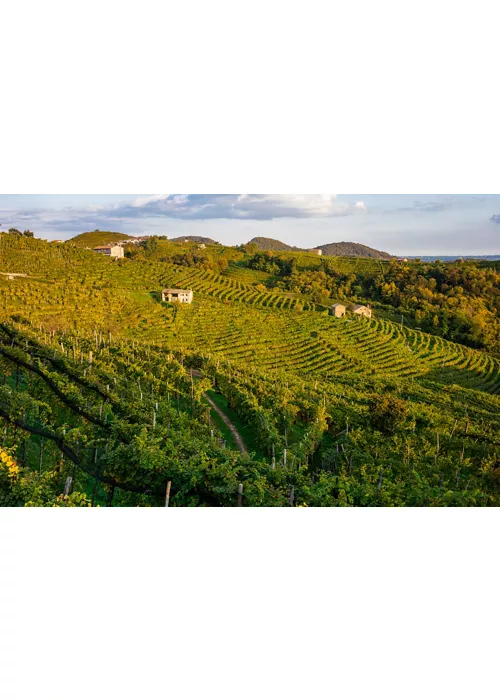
<point x="244" y="430"/>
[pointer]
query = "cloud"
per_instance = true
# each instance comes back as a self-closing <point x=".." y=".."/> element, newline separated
<point x="239" y="206"/>
<point x="152" y="210"/>
<point x="495" y="218"/>
<point x="429" y="206"/>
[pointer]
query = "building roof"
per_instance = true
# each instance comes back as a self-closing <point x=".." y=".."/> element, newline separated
<point x="335" y="306"/>
<point x="177" y="291"/>
<point x="358" y="307"/>
<point x="105" y="247"/>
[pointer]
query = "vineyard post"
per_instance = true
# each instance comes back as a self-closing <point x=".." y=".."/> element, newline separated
<point x="95" y="479"/>
<point x="240" y="495"/>
<point x="23" y="447"/>
<point x="167" y="497"/>
<point x="292" y="496"/>
<point x="41" y="455"/>
<point x="67" y="486"/>
<point x="284" y="458"/>
<point x="381" y="478"/>
<point x="62" y="453"/>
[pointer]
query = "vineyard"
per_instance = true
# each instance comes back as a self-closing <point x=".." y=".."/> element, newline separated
<point x="104" y="392"/>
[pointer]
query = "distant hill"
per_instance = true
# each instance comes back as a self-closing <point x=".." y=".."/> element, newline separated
<point x="343" y="250"/>
<point x="270" y="244"/>
<point x="352" y="250"/>
<point x="92" y="239"/>
<point x="453" y="258"/>
<point x="195" y="239"/>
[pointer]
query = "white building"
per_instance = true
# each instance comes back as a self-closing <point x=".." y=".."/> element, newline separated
<point x="365" y="311"/>
<point x="112" y="251"/>
<point x="338" y="310"/>
<point x="182" y="296"/>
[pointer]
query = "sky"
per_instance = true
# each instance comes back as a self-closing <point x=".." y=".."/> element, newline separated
<point x="401" y="224"/>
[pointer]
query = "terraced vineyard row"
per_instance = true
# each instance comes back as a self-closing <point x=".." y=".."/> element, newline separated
<point x="311" y="344"/>
<point x="225" y="289"/>
<point x="230" y="318"/>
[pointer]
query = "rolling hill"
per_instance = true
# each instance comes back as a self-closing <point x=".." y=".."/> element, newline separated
<point x="270" y="244"/>
<point x="346" y="250"/>
<point x="92" y="239"/>
<point x="350" y="412"/>
<point x="194" y="239"/>
<point x="352" y="250"/>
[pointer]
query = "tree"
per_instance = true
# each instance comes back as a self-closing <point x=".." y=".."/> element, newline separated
<point x="28" y="234"/>
<point x="387" y="413"/>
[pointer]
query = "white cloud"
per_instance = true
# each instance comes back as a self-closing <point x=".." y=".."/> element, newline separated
<point x="144" y="201"/>
<point x="241" y="206"/>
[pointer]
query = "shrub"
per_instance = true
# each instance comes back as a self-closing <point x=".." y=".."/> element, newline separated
<point x="387" y="413"/>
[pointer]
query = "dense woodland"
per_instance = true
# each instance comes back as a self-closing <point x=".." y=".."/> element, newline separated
<point x="460" y="302"/>
<point x="103" y="388"/>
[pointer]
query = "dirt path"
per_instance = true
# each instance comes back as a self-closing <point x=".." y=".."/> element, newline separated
<point x="234" y="432"/>
<point x="237" y="437"/>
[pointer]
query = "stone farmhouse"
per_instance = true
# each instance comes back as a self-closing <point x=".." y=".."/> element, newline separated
<point x="112" y="251"/>
<point x="361" y="310"/>
<point x="338" y="310"/>
<point x="181" y="296"/>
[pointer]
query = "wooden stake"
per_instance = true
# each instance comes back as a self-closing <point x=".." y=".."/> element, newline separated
<point x="240" y="496"/>
<point x="167" y="498"/>
<point x="381" y="478"/>
<point x="68" y="485"/>
<point x="41" y="454"/>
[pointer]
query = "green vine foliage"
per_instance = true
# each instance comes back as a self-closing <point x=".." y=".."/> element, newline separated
<point x="104" y="385"/>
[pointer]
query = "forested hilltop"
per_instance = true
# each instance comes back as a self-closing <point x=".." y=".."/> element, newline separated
<point x="111" y="397"/>
<point x="348" y="250"/>
<point x="92" y="239"/>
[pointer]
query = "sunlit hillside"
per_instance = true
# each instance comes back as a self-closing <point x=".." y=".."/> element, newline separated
<point x="108" y="385"/>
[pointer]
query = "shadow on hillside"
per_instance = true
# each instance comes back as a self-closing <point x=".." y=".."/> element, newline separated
<point x="447" y="376"/>
<point x="156" y="296"/>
